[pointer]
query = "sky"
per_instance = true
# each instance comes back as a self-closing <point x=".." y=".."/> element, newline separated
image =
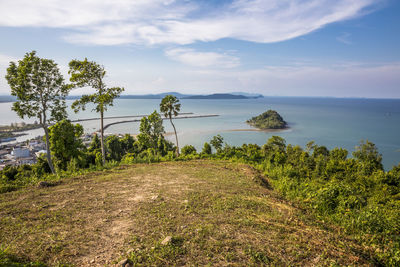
<point x="341" y="48"/>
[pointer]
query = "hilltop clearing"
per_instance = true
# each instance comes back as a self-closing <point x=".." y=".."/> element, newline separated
<point x="174" y="213"/>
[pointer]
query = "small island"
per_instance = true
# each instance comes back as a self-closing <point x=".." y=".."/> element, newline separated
<point x="268" y="120"/>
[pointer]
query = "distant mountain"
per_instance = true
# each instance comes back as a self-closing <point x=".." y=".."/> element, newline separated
<point x="7" y="98"/>
<point x="186" y="96"/>
<point x="235" y="95"/>
<point x="217" y="96"/>
<point x="153" y="96"/>
<point x="250" y="95"/>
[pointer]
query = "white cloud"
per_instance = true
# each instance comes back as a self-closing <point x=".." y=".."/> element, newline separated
<point x="348" y="79"/>
<point x="340" y="79"/>
<point x="5" y="60"/>
<point x="202" y="59"/>
<point x="116" y="22"/>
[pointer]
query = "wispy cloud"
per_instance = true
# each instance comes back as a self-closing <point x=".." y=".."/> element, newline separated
<point x="347" y="79"/>
<point x="202" y="59"/>
<point x="116" y="22"/>
<point x="345" y="38"/>
<point x="5" y="60"/>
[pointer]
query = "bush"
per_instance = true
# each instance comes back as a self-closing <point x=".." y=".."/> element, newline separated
<point x="206" y="149"/>
<point x="187" y="150"/>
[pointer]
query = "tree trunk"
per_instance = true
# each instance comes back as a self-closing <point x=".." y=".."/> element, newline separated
<point x="103" y="152"/>
<point x="49" y="160"/>
<point x="176" y="138"/>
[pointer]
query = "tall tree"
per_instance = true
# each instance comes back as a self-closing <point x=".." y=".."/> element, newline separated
<point x="217" y="142"/>
<point x="40" y="90"/>
<point x="170" y="106"/>
<point x="89" y="73"/>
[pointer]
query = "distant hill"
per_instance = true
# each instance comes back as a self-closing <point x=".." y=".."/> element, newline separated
<point x="268" y="120"/>
<point x="250" y="95"/>
<point x="220" y="96"/>
<point x="235" y="95"/>
<point x="187" y="96"/>
<point x="154" y="96"/>
<point x="7" y="98"/>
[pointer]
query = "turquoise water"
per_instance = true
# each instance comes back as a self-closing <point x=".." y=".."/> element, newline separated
<point x="331" y="122"/>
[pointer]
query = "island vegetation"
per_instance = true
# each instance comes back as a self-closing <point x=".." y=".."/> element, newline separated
<point x="223" y="205"/>
<point x="268" y="120"/>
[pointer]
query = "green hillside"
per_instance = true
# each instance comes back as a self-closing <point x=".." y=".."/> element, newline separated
<point x="268" y="120"/>
<point x="206" y="212"/>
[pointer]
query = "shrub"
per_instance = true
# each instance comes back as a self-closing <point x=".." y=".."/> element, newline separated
<point x="187" y="150"/>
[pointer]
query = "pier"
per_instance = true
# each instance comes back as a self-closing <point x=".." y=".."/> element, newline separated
<point x="123" y="117"/>
<point x="175" y="118"/>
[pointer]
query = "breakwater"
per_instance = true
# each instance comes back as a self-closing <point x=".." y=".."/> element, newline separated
<point x="122" y="117"/>
<point x="175" y="118"/>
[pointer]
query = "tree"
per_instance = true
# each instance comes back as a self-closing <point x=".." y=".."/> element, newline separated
<point x="188" y="150"/>
<point x="114" y="147"/>
<point x="127" y="143"/>
<point x="206" y="149"/>
<point x="40" y="90"/>
<point x="65" y="142"/>
<point x="217" y="142"/>
<point x="95" y="144"/>
<point x="151" y="130"/>
<point x="89" y="73"/>
<point x="367" y="154"/>
<point x="275" y="143"/>
<point x="170" y="106"/>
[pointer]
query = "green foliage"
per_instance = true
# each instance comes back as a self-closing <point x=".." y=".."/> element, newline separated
<point x="66" y="143"/>
<point x="95" y="144"/>
<point x="217" y="142"/>
<point x="275" y="144"/>
<point x="368" y="156"/>
<point x="151" y="130"/>
<point x="128" y="143"/>
<point x="89" y="73"/>
<point x="40" y="90"/>
<point x="188" y="150"/>
<point x="268" y="120"/>
<point x="114" y="148"/>
<point x="206" y="149"/>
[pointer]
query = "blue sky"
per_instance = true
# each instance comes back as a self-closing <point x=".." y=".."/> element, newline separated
<point x="341" y="48"/>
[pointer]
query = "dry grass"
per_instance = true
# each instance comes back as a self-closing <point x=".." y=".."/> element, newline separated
<point x="214" y="211"/>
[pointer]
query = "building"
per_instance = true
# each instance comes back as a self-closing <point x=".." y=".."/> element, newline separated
<point x="20" y="152"/>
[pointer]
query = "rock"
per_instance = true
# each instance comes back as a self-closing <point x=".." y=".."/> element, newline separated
<point x="126" y="263"/>
<point x="166" y="240"/>
<point x="154" y="197"/>
<point x="92" y="261"/>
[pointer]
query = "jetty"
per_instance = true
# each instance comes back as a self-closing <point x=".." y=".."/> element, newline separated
<point x="175" y="118"/>
<point x="123" y="117"/>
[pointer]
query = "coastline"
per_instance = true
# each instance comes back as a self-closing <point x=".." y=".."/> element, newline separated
<point x="259" y="130"/>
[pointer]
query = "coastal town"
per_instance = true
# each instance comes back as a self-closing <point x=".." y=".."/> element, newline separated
<point x="27" y="152"/>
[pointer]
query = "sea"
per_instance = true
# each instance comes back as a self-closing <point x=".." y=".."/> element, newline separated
<point x="332" y="122"/>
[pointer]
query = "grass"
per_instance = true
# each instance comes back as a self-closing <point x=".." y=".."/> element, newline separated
<point x="216" y="213"/>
